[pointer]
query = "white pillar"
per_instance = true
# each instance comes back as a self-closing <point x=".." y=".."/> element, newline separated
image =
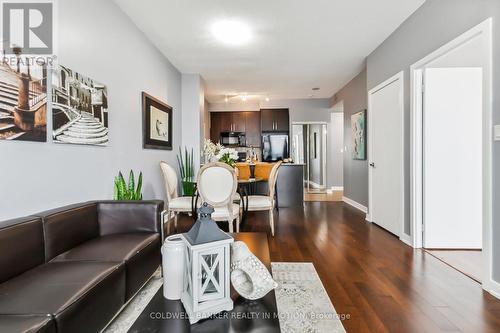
<point x="193" y="115"/>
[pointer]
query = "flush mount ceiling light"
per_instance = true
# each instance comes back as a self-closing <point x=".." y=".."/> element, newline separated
<point x="231" y="32"/>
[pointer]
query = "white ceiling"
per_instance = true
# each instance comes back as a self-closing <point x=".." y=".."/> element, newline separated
<point x="296" y="44"/>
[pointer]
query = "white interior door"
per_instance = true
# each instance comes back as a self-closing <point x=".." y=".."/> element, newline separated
<point x="386" y="155"/>
<point x="452" y="166"/>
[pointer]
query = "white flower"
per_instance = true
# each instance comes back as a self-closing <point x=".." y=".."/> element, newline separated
<point x="233" y="154"/>
<point x="211" y="149"/>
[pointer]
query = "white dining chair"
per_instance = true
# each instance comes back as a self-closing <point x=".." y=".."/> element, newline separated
<point x="174" y="204"/>
<point x="266" y="202"/>
<point x="217" y="185"/>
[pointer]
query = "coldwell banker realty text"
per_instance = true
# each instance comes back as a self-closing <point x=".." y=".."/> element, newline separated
<point x="27" y="49"/>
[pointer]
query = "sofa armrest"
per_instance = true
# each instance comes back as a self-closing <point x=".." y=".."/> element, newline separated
<point x="116" y="217"/>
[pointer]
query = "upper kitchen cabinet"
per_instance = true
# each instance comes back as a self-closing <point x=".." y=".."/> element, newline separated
<point x="215" y="126"/>
<point x="238" y="121"/>
<point x="247" y="122"/>
<point x="275" y="120"/>
<point x="252" y="125"/>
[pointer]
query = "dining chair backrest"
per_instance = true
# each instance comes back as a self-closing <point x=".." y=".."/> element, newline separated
<point x="170" y="179"/>
<point x="217" y="184"/>
<point x="273" y="177"/>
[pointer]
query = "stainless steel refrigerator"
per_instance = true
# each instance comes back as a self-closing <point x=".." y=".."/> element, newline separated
<point x="275" y="147"/>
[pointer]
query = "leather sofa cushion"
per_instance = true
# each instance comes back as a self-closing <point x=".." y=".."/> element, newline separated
<point x="21" y="246"/>
<point x="67" y="227"/>
<point x="114" y="248"/>
<point x="139" y="251"/>
<point x="118" y="217"/>
<point x="77" y="294"/>
<point x="27" y="324"/>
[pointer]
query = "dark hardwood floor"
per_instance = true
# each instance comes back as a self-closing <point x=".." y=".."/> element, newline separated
<point x="381" y="283"/>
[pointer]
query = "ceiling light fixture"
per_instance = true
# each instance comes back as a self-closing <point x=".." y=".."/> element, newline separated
<point x="244" y="98"/>
<point x="267" y="99"/>
<point x="231" y="32"/>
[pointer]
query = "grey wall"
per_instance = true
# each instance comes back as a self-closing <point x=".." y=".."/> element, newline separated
<point x="97" y="40"/>
<point x="354" y="98"/>
<point x="433" y="25"/>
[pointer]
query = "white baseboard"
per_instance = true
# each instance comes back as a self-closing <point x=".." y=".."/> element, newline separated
<point x="355" y="204"/>
<point x="406" y="239"/>
<point x="493" y="288"/>
<point x="315" y="185"/>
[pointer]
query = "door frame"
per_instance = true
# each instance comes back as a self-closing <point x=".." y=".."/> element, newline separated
<point x="398" y="77"/>
<point x="484" y="30"/>
<point x="325" y="150"/>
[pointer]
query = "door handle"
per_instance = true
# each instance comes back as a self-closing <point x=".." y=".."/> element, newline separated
<point x="372" y="165"/>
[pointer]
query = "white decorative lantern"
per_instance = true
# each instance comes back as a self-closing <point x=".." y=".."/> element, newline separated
<point x="206" y="283"/>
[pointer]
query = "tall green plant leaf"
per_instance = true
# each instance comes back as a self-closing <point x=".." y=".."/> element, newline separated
<point x="131" y="182"/>
<point x="115" y="189"/>
<point x="122" y="187"/>
<point x="138" y="194"/>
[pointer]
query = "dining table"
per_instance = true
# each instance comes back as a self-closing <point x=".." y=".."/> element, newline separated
<point x="246" y="186"/>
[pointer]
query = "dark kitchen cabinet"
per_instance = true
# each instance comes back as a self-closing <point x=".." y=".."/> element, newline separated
<point x="282" y="120"/>
<point x="238" y="121"/>
<point x="267" y="120"/>
<point x="215" y="126"/>
<point x="275" y="120"/>
<point x="247" y="122"/>
<point x="252" y="126"/>
<point x="226" y="122"/>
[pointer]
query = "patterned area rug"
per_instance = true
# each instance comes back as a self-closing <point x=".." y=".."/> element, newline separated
<point x="303" y="304"/>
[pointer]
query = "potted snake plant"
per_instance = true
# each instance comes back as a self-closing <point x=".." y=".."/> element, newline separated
<point x="127" y="190"/>
<point x="186" y="167"/>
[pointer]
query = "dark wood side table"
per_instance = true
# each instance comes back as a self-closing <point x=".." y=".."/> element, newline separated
<point x="162" y="315"/>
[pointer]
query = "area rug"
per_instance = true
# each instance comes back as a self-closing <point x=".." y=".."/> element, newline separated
<point x="303" y="304"/>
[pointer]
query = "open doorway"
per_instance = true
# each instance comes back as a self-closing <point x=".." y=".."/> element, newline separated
<point x="451" y="153"/>
<point x="309" y="144"/>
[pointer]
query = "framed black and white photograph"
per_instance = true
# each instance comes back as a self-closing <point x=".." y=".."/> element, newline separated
<point x="157" y="123"/>
<point x="79" y="109"/>
<point x="23" y="100"/>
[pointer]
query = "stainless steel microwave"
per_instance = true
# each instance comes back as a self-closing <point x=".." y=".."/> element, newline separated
<point x="233" y="139"/>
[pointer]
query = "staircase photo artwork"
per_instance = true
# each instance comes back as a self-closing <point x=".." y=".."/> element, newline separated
<point x="79" y="109"/>
<point x="23" y="99"/>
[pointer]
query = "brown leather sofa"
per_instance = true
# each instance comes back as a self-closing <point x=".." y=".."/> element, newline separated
<point x="73" y="268"/>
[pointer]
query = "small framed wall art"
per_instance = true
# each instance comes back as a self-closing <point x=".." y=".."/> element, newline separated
<point x="157" y="123"/>
<point x="358" y="130"/>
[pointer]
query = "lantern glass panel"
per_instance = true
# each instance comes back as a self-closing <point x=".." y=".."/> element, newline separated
<point x="211" y="271"/>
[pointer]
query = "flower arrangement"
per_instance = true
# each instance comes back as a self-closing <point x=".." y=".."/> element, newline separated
<point x="228" y="156"/>
<point x="217" y="152"/>
<point x="210" y="150"/>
